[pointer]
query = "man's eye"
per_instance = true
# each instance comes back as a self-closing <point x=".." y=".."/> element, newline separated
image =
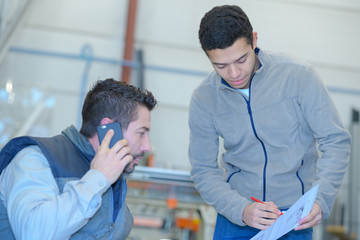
<point x="242" y="60"/>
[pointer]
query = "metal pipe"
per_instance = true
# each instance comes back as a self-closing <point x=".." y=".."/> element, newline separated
<point x="146" y="67"/>
<point x="129" y="40"/>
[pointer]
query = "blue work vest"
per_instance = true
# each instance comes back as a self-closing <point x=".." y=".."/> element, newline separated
<point x="68" y="163"/>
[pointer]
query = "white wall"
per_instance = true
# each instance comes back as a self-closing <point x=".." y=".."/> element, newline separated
<point x="323" y="32"/>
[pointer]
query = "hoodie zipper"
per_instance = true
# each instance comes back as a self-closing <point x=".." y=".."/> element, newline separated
<point x="257" y="137"/>
<point x="301" y="182"/>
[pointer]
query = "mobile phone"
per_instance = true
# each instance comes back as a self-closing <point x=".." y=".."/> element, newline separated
<point x="103" y="129"/>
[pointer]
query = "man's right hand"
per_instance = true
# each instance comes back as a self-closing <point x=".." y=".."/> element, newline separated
<point x="111" y="161"/>
<point x="261" y="215"/>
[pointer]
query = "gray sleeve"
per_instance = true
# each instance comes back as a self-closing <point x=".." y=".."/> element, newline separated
<point x="332" y="138"/>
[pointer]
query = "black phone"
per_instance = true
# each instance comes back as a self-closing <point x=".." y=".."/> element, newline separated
<point x="103" y="129"/>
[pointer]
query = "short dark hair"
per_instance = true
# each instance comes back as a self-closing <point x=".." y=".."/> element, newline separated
<point x="222" y="26"/>
<point x="115" y="100"/>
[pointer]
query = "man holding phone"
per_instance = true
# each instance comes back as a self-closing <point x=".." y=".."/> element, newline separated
<point x="73" y="186"/>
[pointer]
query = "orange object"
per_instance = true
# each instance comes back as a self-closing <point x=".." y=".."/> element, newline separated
<point x="138" y="185"/>
<point x="171" y="202"/>
<point x="188" y="223"/>
<point x="150" y="162"/>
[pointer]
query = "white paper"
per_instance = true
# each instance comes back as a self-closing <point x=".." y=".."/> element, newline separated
<point x="290" y="219"/>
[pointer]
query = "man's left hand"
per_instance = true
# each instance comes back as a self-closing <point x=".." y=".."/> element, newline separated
<point x="312" y="219"/>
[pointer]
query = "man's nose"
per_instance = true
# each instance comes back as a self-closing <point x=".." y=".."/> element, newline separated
<point x="146" y="146"/>
<point x="234" y="71"/>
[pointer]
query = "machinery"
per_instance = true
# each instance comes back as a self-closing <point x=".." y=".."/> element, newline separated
<point x="166" y="205"/>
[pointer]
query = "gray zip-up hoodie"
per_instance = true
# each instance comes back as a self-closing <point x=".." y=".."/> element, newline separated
<point x="270" y="138"/>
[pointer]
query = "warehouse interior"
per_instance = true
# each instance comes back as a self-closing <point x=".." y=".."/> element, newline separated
<point x="52" y="52"/>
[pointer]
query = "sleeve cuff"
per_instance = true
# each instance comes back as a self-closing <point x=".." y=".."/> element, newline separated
<point x="96" y="181"/>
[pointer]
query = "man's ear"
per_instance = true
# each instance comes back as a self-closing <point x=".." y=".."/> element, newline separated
<point x="106" y="121"/>
<point x="255" y="38"/>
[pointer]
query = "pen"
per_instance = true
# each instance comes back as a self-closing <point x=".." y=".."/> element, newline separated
<point x="257" y="200"/>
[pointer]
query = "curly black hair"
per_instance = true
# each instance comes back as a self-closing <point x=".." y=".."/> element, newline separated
<point x="222" y="26"/>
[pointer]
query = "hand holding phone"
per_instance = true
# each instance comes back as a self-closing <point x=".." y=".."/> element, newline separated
<point x="105" y="161"/>
<point x="103" y="129"/>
